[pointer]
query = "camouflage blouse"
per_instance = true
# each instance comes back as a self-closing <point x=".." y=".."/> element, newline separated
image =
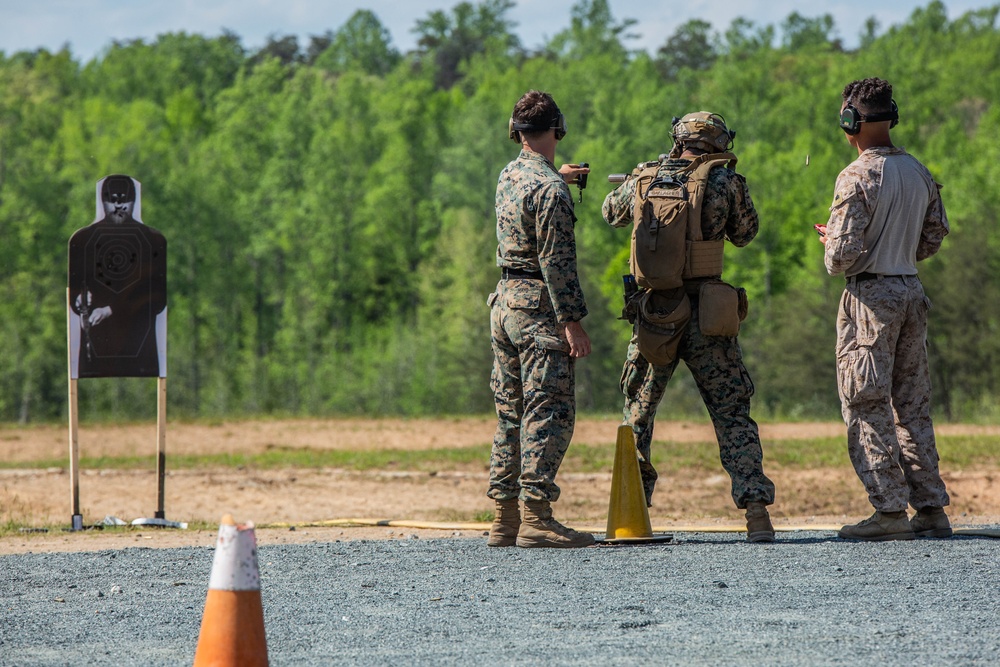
<point x="854" y="204"/>
<point x="535" y="222"/>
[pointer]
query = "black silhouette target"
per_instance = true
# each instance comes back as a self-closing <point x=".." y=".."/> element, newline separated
<point x="117" y="298"/>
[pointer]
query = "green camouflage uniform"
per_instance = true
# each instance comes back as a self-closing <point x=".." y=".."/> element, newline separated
<point x="533" y="378"/>
<point x="716" y="362"/>
<point x="886" y="215"/>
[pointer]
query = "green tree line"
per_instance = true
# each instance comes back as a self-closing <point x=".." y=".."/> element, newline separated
<point x="329" y="207"/>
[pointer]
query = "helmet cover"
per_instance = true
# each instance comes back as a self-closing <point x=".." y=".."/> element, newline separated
<point x="704" y="130"/>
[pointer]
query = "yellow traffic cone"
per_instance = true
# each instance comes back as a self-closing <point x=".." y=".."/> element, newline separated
<point x="628" y="517"/>
<point x="232" y="627"/>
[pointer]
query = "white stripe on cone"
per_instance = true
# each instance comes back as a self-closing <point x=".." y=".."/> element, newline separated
<point x="234" y="567"/>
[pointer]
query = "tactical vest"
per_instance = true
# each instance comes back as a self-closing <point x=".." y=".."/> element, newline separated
<point x="667" y="243"/>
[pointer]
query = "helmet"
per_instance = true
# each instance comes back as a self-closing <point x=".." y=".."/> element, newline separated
<point x="704" y="130"/>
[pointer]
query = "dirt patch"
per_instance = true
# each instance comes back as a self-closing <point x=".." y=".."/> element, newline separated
<point x="290" y="504"/>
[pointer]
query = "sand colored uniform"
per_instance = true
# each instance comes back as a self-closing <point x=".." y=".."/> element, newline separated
<point x="533" y="373"/>
<point x="716" y="362"/>
<point x="886" y="215"/>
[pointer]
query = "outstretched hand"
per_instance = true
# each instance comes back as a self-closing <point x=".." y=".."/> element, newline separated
<point x="571" y="172"/>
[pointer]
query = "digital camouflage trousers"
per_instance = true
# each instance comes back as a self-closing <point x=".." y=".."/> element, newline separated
<point x="533" y="388"/>
<point x="716" y="363"/>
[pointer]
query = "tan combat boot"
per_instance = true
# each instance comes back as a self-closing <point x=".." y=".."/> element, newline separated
<point x="539" y="529"/>
<point x="759" y="528"/>
<point x="931" y="522"/>
<point x="506" y="523"/>
<point x="879" y="527"/>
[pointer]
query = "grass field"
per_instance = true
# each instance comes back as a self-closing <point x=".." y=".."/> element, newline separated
<point x="958" y="451"/>
<point x="305" y="471"/>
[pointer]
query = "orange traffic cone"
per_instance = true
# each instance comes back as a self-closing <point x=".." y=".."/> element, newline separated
<point x="628" y="516"/>
<point x="232" y="627"/>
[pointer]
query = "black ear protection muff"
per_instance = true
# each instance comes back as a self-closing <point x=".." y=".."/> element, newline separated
<point x="558" y="124"/>
<point x="851" y="118"/>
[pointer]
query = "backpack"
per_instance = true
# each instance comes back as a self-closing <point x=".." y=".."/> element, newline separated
<point x="667" y="245"/>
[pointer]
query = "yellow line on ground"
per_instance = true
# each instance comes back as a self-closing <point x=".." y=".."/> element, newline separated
<point x="978" y="532"/>
<point x="483" y="526"/>
<point x="470" y="525"/>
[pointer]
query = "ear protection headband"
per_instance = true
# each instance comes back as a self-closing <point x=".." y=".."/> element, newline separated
<point x="851" y="118"/>
<point x="558" y="124"/>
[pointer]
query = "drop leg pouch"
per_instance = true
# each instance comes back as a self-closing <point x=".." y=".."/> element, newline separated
<point x="662" y="318"/>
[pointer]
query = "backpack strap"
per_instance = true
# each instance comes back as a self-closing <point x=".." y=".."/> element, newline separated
<point x="700" y="168"/>
<point x="704" y="258"/>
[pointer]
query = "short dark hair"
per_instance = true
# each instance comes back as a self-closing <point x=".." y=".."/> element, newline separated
<point x="869" y="96"/>
<point x="538" y="109"/>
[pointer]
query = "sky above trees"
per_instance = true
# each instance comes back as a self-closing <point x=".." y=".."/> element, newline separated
<point x="90" y="26"/>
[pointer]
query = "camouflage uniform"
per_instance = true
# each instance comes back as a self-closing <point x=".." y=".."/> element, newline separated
<point x="716" y="362"/>
<point x="886" y="215"/>
<point x="533" y="376"/>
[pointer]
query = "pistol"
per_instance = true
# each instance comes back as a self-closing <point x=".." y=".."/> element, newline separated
<point x="85" y="322"/>
<point x="621" y="178"/>
<point x="630" y="309"/>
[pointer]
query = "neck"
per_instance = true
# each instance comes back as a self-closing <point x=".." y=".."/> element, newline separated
<point x="544" y="145"/>
<point x="872" y="136"/>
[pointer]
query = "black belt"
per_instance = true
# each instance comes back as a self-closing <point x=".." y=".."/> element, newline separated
<point x="521" y="273"/>
<point x="863" y="276"/>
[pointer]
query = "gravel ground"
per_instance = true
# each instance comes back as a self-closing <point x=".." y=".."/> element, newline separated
<point x="704" y="599"/>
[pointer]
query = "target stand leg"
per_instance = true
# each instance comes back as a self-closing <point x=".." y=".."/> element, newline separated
<point x="74" y="457"/>
<point x="159" y="516"/>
